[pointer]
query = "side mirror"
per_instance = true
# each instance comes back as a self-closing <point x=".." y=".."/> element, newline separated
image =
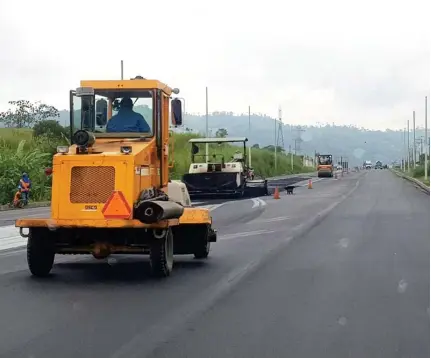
<point x="195" y="149"/>
<point x="101" y="112"/>
<point x="177" y="112"/>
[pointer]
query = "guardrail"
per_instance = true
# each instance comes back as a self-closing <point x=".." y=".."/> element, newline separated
<point x="415" y="181"/>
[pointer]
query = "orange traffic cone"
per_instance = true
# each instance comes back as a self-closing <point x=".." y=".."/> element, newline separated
<point x="310" y="184"/>
<point x="276" y="193"/>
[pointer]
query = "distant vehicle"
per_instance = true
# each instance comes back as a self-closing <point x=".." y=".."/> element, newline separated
<point x="324" y="166"/>
<point x="378" y="165"/>
<point x="368" y="164"/>
<point x="220" y="177"/>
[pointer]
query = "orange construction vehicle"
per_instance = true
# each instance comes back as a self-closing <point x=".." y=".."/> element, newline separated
<point x="111" y="192"/>
<point x="325" y="166"/>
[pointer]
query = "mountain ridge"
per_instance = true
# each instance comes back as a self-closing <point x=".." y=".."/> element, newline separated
<point x="355" y="143"/>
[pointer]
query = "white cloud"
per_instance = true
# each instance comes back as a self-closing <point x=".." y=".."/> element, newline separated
<point x="365" y="63"/>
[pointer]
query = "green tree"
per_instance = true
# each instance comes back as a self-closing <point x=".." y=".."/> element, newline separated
<point x="26" y="114"/>
<point x="221" y="133"/>
<point x="49" y="127"/>
<point x="271" y="148"/>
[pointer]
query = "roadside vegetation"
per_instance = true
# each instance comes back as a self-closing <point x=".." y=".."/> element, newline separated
<point x="28" y="144"/>
<point x="418" y="172"/>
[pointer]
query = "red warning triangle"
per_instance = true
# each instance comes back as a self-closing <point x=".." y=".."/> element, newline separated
<point x="116" y="207"/>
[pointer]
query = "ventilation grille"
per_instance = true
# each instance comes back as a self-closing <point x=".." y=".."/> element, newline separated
<point x="91" y="185"/>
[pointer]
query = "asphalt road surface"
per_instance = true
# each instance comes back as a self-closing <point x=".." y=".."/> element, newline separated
<point x="340" y="270"/>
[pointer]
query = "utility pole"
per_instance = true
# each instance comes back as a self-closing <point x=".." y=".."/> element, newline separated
<point x="404" y="150"/>
<point x="206" y="124"/>
<point x="422" y="148"/>
<point x="291" y="157"/>
<point x="249" y="134"/>
<point x="408" y="145"/>
<point x="341" y="163"/>
<point x="275" y="143"/>
<point x="426" y="138"/>
<point x="414" y="140"/>
<point x="122" y="72"/>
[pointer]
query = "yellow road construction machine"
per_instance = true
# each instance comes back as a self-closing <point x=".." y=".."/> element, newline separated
<point x="111" y="192"/>
<point x="325" y="166"/>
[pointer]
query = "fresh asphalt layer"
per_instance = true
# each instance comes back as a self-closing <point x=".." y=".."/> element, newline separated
<point x="340" y="270"/>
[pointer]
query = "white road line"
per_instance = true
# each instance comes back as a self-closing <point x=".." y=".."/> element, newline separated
<point x="245" y="234"/>
<point x="12" y="243"/>
<point x="262" y="202"/>
<point x="258" y="202"/>
<point x="280" y="218"/>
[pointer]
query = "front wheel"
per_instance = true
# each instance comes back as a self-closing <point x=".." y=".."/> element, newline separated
<point x="40" y="252"/>
<point x="162" y="255"/>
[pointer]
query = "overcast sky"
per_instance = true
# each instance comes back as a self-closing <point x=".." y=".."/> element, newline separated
<point x="365" y="62"/>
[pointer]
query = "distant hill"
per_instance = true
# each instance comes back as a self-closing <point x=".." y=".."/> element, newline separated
<point x="358" y="144"/>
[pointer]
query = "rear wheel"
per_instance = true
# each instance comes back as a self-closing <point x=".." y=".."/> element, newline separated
<point x="40" y="252"/>
<point x="203" y="247"/>
<point x="162" y="255"/>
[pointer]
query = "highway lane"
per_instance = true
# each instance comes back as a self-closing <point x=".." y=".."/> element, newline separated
<point x="356" y="285"/>
<point x="261" y="288"/>
<point x="87" y="302"/>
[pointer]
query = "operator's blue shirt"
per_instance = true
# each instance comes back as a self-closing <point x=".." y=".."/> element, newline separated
<point x="126" y="120"/>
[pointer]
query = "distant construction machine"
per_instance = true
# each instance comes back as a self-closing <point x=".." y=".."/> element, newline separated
<point x="111" y="192"/>
<point x="216" y="176"/>
<point x="325" y="168"/>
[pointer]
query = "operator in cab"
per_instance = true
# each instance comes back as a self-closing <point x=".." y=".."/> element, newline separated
<point x="126" y="120"/>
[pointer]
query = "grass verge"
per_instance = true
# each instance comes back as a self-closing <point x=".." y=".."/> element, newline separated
<point x="21" y="151"/>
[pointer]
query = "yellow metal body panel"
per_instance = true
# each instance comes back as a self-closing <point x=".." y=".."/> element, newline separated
<point x="324" y="167"/>
<point x="190" y="216"/>
<point x="96" y="186"/>
<point x="132" y="173"/>
<point x="88" y="223"/>
<point x="127" y="85"/>
<point x="195" y="216"/>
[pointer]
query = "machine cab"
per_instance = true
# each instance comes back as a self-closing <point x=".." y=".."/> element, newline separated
<point x="139" y="108"/>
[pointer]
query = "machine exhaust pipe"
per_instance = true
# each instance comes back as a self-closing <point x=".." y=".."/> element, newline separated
<point x="149" y="212"/>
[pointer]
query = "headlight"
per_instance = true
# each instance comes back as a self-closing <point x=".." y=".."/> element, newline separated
<point x="62" y="149"/>
<point x="126" y="149"/>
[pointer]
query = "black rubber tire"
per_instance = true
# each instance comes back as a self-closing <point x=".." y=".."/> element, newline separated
<point x="202" y="250"/>
<point x="40" y="252"/>
<point x="162" y="255"/>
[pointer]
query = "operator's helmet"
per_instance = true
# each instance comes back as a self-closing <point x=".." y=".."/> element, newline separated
<point x="126" y="102"/>
<point x="24" y="174"/>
